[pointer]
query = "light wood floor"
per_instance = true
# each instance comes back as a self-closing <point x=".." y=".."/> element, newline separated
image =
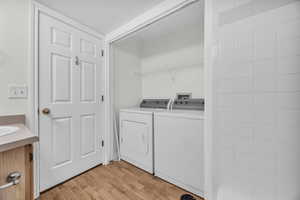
<point x="118" y="181"/>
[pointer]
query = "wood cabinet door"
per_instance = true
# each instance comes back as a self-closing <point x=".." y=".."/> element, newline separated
<point x="16" y="160"/>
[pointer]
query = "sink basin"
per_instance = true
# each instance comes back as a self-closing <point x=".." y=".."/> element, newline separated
<point x="5" y="130"/>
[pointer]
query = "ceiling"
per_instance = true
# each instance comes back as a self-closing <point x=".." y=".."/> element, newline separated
<point x="187" y="22"/>
<point x="102" y="15"/>
<point x="190" y="18"/>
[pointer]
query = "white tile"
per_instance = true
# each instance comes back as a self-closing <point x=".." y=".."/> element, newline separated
<point x="288" y="12"/>
<point x="265" y="109"/>
<point x="243" y="53"/>
<point x="244" y="140"/>
<point x="289" y="83"/>
<point x="242" y="2"/>
<point x="265" y="138"/>
<point x="289" y="29"/>
<point x="289" y="47"/>
<point x="265" y="75"/>
<point x="230" y="70"/>
<point x="244" y="40"/>
<point x="289" y="65"/>
<point x="229" y="189"/>
<point x="239" y="84"/>
<point x="225" y="138"/>
<point x="224" y="5"/>
<point x="265" y="43"/>
<point x="288" y="168"/>
<point x="289" y="163"/>
<point x="289" y="100"/>
<point x="235" y="117"/>
<point x="234" y="100"/>
<point x="227" y="50"/>
<point x="263" y="95"/>
<point x="289" y="125"/>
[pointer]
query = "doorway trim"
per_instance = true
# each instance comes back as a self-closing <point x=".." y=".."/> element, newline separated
<point x="33" y="122"/>
<point x="155" y="14"/>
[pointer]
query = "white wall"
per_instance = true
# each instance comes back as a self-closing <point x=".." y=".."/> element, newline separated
<point x="14" y="52"/>
<point x="127" y="79"/>
<point x="126" y="82"/>
<point x="158" y="67"/>
<point x="256" y="100"/>
<point x="173" y="63"/>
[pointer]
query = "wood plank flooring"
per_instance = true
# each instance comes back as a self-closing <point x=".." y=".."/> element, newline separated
<point x="118" y="181"/>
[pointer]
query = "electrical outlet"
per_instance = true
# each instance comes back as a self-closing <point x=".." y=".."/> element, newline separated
<point x="17" y="92"/>
<point x="22" y="92"/>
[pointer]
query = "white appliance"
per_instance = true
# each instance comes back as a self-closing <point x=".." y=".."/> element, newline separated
<point x="167" y="143"/>
<point x="136" y="137"/>
<point x="179" y="148"/>
<point x="136" y="133"/>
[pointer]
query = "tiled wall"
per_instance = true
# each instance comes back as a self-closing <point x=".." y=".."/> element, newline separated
<point x="257" y="100"/>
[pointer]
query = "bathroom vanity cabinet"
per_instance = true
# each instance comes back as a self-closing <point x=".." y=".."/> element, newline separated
<point x="14" y="162"/>
<point x="16" y="158"/>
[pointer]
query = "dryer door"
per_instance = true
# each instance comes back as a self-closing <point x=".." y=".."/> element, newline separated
<point x="137" y="139"/>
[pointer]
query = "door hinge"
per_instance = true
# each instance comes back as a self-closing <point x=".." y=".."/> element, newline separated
<point x="102" y="52"/>
<point x="102" y="143"/>
<point x="102" y="98"/>
<point x="30" y="157"/>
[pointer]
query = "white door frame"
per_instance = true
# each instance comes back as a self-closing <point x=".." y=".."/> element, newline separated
<point x="157" y="13"/>
<point x="36" y="9"/>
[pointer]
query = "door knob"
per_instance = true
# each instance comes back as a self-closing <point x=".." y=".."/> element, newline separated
<point x="46" y="111"/>
<point x="77" y="61"/>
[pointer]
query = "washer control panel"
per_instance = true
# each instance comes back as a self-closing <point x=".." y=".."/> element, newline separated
<point x="155" y="103"/>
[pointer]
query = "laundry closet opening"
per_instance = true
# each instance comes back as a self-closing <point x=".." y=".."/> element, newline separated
<point x="158" y="98"/>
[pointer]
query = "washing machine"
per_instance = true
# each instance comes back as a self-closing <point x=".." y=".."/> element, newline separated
<point x="136" y="133"/>
<point x="179" y="146"/>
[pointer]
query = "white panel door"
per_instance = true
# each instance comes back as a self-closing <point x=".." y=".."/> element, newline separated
<point x="71" y="111"/>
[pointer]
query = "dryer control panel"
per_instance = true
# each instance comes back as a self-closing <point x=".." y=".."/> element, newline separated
<point x="188" y="104"/>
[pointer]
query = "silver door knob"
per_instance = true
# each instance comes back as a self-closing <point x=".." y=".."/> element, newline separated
<point x="46" y="111"/>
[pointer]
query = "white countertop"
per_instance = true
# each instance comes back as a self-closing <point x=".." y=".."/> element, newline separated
<point x="17" y="139"/>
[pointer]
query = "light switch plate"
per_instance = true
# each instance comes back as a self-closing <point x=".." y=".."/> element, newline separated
<point x="12" y="92"/>
<point x="17" y="92"/>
